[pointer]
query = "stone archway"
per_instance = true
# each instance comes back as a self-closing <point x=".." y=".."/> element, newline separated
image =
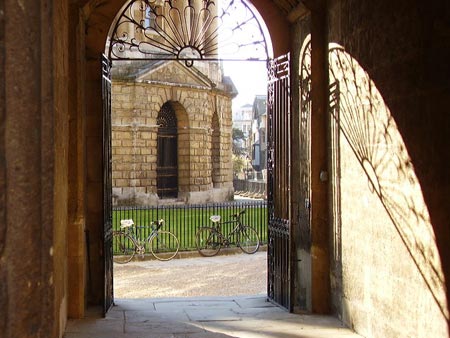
<point x="59" y="103"/>
<point x="94" y="24"/>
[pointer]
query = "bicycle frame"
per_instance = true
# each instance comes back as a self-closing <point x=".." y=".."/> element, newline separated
<point x="138" y="242"/>
<point x="163" y="245"/>
<point x="236" y="229"/>
<point x="209" y="239"/>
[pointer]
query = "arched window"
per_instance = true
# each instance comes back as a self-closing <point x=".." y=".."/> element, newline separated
<point x="167" y="163"/>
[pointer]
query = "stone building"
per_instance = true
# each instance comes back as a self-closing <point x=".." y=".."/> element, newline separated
<point x="171" y="133"/>
<point x="359" y="179"/>
<point x="242" y="120"/>
<point x="259" y="135"/>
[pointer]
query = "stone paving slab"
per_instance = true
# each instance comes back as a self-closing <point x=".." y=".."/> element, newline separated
<point x="212" y="315"/>
<point x="212" y="304"/>
<point x="253" y="302"/>
<point x="217" y="317"/>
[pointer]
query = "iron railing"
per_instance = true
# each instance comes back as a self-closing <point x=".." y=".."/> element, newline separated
<point x="184" y="220"/>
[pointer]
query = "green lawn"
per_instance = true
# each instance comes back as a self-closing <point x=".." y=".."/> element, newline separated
<point x="184" y="221"/>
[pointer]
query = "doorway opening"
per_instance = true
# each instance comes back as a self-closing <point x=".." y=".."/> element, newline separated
<point x="171" y="125"/>
<point x="167" y="153"/>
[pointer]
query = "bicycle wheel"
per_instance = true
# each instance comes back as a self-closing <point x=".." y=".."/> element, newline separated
<point x="248" y="240"/>
<point x="164" y="245"/>
<point x="208" y="241"/>
<point x="124" y="247"/>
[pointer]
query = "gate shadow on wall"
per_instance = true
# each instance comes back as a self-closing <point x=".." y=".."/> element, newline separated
<point x="363" y="118"/>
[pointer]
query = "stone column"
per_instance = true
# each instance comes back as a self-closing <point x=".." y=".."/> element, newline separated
<point x="33" y="184"/>
<point x="320" y="261"/>
<point x="77" y="205"/>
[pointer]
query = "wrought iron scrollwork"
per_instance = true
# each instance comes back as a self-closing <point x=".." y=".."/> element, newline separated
<point x="278" y="108"/>
<point x="305" y="131"/>
<point x="166" y="117"/>
<point x="187" y="30"/>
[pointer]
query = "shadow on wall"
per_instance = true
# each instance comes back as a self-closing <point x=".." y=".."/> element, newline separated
<point x="367" y="124"/>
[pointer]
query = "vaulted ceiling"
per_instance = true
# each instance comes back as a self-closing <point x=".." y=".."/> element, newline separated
<point x="287" y="6"/>
<point x="293" y="9"/>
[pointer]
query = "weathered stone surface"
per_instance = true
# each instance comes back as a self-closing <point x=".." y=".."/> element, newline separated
<point x="135" y="133"/>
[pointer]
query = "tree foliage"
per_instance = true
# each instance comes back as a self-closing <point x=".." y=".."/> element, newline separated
<point x="238" y="164"/>
<point x="238" y="138"/>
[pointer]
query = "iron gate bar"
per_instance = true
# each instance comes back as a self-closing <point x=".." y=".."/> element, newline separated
<point x="107" y="185"/>
<point x="187" y="30"/>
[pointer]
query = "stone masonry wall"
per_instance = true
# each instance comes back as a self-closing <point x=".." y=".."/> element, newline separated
<point x="135" y="107"/>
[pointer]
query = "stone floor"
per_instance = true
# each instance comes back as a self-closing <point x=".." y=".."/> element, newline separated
<point x="204" y="317"/>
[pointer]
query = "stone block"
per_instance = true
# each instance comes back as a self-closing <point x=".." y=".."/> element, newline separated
<point x="116" y="174"/>
<point x="125" y="181"/>
<point x="135" y="183"/>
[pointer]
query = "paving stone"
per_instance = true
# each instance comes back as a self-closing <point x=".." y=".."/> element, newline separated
<point x="214" y="303"/>
<point x="212" y="314"/>
<point x="133" y="304"/>
<point x="265" y="314"/>
<point x="88" y="326"/>
<point x="154" y="316"/>
<point x="163" y="327"/>
<point x="216" y="317"/>
<point x="254" y="302"/>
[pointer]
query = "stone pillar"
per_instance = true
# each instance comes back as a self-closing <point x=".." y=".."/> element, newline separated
<point x="77" y="207"/>
<point x="33" y="185"/>
<point x="320" y="261"/>
<point x="94" y="179"/>
<point x="3" y="219"/>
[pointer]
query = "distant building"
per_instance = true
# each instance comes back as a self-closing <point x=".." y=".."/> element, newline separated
<point x="259" y="134"/>
<point x="242" y="120"/>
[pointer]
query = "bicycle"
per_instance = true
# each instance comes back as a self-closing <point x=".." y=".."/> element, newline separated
<point x="209" y="240"/>
<point x="163" y="245"/>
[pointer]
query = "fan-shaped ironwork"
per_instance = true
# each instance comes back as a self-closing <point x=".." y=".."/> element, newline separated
<point x="187" y="30"/>
<point x="167" y="145"/>
<point x="166" y="117"/>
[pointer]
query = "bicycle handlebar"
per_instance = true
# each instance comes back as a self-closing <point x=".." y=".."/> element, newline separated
<point x="159" y="223"/>
<point x="128" y="223"/>
<point x="238" y="214"/>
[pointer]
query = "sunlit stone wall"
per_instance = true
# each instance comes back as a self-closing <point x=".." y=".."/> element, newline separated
<point x="135" y="107"/>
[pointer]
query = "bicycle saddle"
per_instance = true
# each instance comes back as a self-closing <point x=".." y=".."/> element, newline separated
<point x="126" y="223"/>
<point x="215" y="218"/>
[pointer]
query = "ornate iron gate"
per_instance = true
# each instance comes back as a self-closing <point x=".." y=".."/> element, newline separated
<point x="188" y="31"/>
<point x="107" y="185"/>
<point x="278" y="164"/>
<point x="167" y="166"/>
